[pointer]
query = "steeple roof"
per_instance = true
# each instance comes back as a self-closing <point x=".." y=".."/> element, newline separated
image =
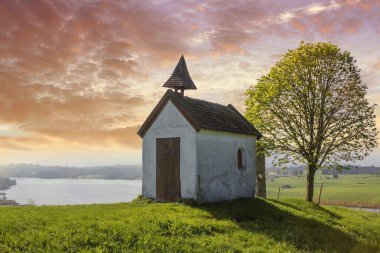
<point x="180" y="78"/>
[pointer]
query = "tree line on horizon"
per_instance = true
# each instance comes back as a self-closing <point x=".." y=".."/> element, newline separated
<point x="60" y="172"/>
<point x="6" y="183"/>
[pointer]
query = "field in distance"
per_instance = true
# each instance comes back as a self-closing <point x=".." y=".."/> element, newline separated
<point x="237" y="226"/>
<point x="352" y="188"/>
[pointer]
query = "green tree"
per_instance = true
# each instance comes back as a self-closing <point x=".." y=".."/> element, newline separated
<point x="311" y="108"/>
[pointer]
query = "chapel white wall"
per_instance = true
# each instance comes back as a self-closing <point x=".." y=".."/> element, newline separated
<point x="217" y="165"/>
<point x="170" y="123"/>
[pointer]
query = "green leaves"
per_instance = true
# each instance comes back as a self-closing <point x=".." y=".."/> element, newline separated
<point x="311" y="108"/>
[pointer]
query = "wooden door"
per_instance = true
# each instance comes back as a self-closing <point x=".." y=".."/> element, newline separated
<point x="168" y="186"/>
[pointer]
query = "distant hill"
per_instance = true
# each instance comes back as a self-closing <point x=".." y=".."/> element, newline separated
<point x="50" y="172"/>
<point x="372" y="170"/>
<point x="299" y="170"/>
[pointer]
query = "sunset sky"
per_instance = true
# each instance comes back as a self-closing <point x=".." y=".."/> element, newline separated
<point x="78" y="77"/>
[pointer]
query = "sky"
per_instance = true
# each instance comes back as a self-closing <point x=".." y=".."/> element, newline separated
<point x="79" y="77"/>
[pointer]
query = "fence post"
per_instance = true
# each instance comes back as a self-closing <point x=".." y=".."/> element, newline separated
<point x="199" y="191"/>
<point x="278" y="195"/>
<point x="320" y="193"/>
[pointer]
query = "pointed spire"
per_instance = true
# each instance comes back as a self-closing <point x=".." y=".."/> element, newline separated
<point x="180" y="79"/>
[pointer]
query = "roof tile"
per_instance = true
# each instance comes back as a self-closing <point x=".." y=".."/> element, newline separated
<point x="180" y="77"/>
<point x="204" y="115"/>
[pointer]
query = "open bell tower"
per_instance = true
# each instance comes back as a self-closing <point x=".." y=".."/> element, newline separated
<point x="180" y="79"/>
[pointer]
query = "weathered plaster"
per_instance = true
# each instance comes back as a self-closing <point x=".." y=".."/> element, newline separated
<point x="217" y="165"/>
<point x="170" y="123"/>
<point x="210" y="154"/>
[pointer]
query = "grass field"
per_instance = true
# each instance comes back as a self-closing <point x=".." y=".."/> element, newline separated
<point x="238" y="226"/>
<point x="354" y="188"/>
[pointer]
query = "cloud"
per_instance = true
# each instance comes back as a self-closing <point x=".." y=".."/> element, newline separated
<point x="67" y="67"/>
<point x="23" y="143"/>
<point x="88" y="72"/>
<point x="236" y="25"/>
<point x="334" y="18"/>
<point x="233" y="24"/>
<point x="69" y="114"/>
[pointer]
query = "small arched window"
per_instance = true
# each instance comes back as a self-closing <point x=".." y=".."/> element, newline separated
<point x="241" y="158"/>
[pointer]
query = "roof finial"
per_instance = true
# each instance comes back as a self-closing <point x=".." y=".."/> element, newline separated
<point x="180" y="79"/>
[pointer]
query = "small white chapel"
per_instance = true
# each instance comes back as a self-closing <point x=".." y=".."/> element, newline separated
<point x="195" y="149"/>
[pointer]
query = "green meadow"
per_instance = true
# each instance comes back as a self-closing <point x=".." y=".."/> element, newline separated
<point x="352" y="188"/>
<point x="253" y="225"/>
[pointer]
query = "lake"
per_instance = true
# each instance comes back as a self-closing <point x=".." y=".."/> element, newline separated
<point x="73" y="191"/>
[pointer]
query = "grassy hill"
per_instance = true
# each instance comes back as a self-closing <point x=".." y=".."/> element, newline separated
<point x="355" y="188"/>
<point x="238" y="226"/>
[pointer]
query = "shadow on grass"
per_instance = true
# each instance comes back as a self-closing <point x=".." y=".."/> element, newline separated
<point x="263" y="217"/>
<point x="319" y="208"/>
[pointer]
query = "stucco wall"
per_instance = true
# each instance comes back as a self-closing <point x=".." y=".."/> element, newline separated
<point x="170" y="123"/>
<point x="217" y="165"/>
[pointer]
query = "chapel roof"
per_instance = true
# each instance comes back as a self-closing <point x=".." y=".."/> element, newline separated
<point x="180" y="77"/>
<point x="203" y="115"/>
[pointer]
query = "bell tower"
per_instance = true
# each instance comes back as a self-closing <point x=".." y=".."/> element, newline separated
<point x="180" y="80"/>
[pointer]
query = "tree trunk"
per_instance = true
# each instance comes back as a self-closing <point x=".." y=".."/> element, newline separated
<point x="310" y="183"/>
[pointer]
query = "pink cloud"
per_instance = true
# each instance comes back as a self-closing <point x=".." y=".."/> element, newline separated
<point x="77" y="71"/>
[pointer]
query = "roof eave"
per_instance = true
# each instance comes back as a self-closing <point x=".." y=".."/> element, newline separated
<point x="230" y="132"/>
<point x="258" y="134"/>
